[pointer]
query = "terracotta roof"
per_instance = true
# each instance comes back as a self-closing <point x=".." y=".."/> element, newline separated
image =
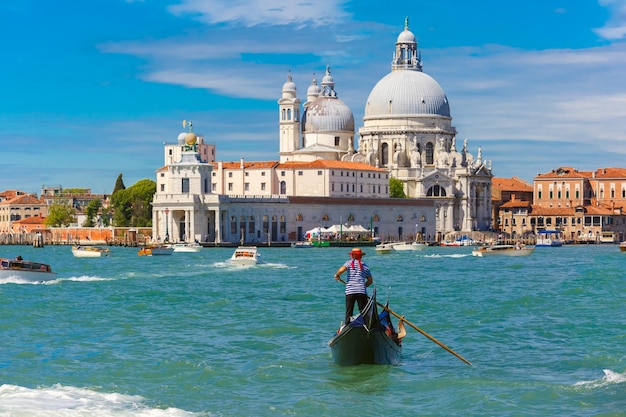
<point x="516" y="203"/>
<point x="321" y="163"/>
<point x="246" y="164"/>
<point x="23" y="200"/>
<point x="552" y="211"/>
<point x="611" y="173"/>
<point x="565" y="172"/>
<point x="31" y="220"/>
<point x="511" y="184"/>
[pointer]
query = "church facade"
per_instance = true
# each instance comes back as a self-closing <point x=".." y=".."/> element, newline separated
<point x="327" y="175"/>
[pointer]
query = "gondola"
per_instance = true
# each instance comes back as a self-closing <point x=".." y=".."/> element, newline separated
<point x="369" y="338"/>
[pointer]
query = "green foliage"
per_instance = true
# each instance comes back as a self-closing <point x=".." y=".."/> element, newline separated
<point x="59" y="214"/>
<point x="119" y="184"/>
<point x="75" y="191"/>
<point x="91" y="211"/>
<point x="133" y="206"/>
<point x="396" y="188"/>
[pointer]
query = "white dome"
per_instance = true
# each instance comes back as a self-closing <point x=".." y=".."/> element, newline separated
<point x="328" y="114"/>
<point x="406" y="36"/>
<point x="181" y="138"/>
<point x="407" y="93"/>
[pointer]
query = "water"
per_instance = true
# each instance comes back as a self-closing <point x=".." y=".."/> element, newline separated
<point x="189" y="335"/>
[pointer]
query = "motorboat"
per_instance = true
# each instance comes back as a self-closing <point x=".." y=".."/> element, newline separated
<point x="384" y="248"/>
<point x="369" y="338"/>
<point x="459" y="241"/>
<point x="550" y="238"/>
<point x="302" y="245"/>
<point x="187" y="247"/>
<point x="504" y="250"/>
<point x="409" y="246"/>
<point x="622" y="246"/>
<point x="155" y="250"/>
<point x="245" y="256"/>
<point x="25" y="270"/>
<point x="81" y="251"/>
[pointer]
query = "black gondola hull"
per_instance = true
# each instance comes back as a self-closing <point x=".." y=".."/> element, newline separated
<point x="365" y="341"/>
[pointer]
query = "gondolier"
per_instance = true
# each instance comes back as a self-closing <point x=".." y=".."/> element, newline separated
<point x="359" y="278"/>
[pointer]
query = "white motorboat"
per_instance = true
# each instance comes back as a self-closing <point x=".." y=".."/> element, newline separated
<point x="187" y="247"/>
<point x="80" y="251"/>
<point x="409" y="246"/>
<point x="155" y="250"/>
<point x="245" y="256"/>
<point x="302" y="244"/>
<point x="503" y="250"/>
<point x="551" y="238"/>
<point x="384" y="248"/>
<point x="25" y="270"/>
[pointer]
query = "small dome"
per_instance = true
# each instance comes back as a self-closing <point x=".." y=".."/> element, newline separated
<point x="314" y="89"/>
<point x="181" y="138"/>
<point x="406" y="36"/>
<point x="328" y="114"/>
<point x="407" y="93"/>
<point x="190" y="138"/>
<point x="289" y="85"/>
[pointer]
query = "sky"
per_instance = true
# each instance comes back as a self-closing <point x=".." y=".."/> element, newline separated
<point x="90" y="89"/>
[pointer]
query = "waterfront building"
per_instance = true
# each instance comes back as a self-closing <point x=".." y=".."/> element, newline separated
<point x="17" y="205"/>
<point x="511" y="201"/>
<point x="587" y="206"/>
<point x="407" y="134"/>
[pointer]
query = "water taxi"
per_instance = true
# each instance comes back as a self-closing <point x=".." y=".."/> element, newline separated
<point x="187" y="247"/>
<point x="245" y="255"/>
<point x="503" y="250"/>
<point x="80" y="251"/>
<point x="155" y="250"/>
<point x="551" y="238"/>
<point x="26" y="270"/>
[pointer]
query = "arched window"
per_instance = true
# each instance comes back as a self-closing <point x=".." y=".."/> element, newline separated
<point x="429" y="154"/>
<point x="283" y="187"/>
<point x="299" y="218"/>
<point x="436" y="191"/>
<point x="384" y="155"/>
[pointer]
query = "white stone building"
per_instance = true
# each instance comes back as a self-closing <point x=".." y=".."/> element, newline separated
<point x="322" y="178"/>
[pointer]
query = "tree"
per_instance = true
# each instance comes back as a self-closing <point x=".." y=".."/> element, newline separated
<point x="133" y="206"/>
<point x="119" y="184"/>
<point x="396" y="188"/>
<point x="91" y="211"/>
<point x="59" y="214"/>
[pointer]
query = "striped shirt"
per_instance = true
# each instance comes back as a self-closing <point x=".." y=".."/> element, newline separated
<point x="355" y="283"/>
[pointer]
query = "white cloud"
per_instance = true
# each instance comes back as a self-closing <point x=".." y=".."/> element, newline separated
<point x="262" y="12"/>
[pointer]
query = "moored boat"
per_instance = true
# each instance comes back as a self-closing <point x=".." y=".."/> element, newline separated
<point x="622" y="246"/>
<point x="80" y="251"/>
<point x="369" y="338"/>
<point x="503" y="250"/>
<point x="155" y="250"/>
<point x="25" y="270"/>
<point x="550" y="238"/>
<point x="302" y="245"/>
<point x="383" y="248"/>
<point x="408" y="246"/>
<point x="245" y="256"/>
<point x="187" y="247"/>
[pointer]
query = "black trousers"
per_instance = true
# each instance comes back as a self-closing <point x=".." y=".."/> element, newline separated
<point x="360" y="299"/>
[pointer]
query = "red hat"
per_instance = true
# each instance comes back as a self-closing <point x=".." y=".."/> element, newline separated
<point x="357" y="252"/>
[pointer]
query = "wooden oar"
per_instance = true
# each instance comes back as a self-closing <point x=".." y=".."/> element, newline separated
<point x="424" y="333"/>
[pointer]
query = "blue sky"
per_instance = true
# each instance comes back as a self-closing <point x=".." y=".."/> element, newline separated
<point x="90" y="89"/>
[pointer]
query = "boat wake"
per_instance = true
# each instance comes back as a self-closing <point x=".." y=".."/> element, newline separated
<point x="84" y="278"/>
<point x="59" y="400"/>
<point x="609" y="378"/>
<point x="450" y="255"/>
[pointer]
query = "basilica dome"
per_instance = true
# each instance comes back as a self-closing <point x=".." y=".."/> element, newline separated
<point x="328" y="114"/>
<point x="406" y="93"/>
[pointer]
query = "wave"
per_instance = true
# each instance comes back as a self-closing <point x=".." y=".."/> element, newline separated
<point x="68" y="401"/>
<point x="609" y="378"/>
